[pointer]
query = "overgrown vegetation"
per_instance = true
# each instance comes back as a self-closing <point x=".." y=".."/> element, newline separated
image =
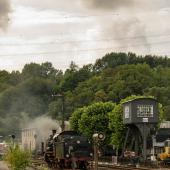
<point x="17" y="158"/>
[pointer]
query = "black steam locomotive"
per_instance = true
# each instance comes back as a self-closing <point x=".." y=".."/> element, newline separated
<point x="68" y="150"/>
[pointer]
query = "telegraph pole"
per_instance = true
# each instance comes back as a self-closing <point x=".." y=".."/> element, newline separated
<point x="63" y="109"/>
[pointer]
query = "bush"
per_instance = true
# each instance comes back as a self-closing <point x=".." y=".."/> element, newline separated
<point x="17" y="158"/>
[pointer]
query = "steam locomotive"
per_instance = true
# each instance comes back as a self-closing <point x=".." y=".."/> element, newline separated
<point x="68" y="150"/>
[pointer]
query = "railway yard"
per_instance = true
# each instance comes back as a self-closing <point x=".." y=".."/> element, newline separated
<point x="40" y="164"/>
<point x="84" y="85"/>
<point x="72" y="150"/>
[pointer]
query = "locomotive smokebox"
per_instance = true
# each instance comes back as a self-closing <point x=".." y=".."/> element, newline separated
<point x="54" y="132"/>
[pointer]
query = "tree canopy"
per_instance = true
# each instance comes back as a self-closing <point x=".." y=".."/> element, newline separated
<point x="110" y="79"/>
<point x="92" y="119"/>
<point x="104" y="117"/>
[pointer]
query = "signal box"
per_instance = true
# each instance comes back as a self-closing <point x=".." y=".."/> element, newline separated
<point x="140" y="110"/>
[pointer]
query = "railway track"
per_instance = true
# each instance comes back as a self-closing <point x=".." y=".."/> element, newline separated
<point x="111" y="167"/>
<point x="40" y="164"/>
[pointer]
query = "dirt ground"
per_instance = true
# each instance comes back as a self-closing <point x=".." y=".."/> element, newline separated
<point x="3" y="166"/>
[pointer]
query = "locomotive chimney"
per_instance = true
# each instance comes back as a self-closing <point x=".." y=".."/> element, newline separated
<point x="54" y="132"/>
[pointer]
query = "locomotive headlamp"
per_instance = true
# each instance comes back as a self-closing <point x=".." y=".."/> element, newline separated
<point x="78" y="142"/>
<point x="67" y="155"/>
<point x="99" y="136"/>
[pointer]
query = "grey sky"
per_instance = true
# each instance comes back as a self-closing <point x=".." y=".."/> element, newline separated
<point x="80" y="30"/>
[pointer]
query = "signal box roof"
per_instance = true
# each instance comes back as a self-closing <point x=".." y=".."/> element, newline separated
<point x="140" y="98"/>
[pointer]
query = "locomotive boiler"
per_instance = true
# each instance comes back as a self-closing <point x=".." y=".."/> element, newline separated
<point x="68" y="149"/>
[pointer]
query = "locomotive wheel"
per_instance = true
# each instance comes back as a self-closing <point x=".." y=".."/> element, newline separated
<point x="61" y="163"/>
<point x="82" y="165"/>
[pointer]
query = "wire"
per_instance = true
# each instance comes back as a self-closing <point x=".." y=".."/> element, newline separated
<point x="85" y="50"/>
<point x="78" y="16"/>
<point x="85" y="41"/>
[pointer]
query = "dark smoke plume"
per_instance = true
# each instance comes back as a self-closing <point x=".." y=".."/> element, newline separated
<point x="4" y="13"/>
<point x="106" y="4"/>
<point x="121" y="30"/>
<point x="123" y="26"/>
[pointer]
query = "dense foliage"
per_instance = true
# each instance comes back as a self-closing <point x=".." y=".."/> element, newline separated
<point x="104" y="117"/>
<point x="92" y="119"/>
<point x="110" y="79"/>
<point x="18" y="159"/>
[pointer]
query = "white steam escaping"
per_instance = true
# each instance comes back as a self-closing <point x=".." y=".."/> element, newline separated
<point x="44" y="126"/>
<point x="4" y="13"/>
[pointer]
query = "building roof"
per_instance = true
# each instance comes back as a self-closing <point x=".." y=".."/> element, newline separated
<point x="162" y="134"/>
<point x="140" y="98"/>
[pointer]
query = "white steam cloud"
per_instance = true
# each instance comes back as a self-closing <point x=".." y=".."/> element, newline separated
<point x="44" y="126"/>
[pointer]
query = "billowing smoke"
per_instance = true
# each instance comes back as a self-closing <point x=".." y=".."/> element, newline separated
<point x="4" y="13"/>
<point x="143" y="5"/>
<point x="109" y="4"/>
<point x="124" y="25"/>
<point x="123" y="31"/>
<point x="44" y="126"/>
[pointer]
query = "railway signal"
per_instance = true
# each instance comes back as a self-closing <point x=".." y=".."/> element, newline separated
<point x="97" y="137"/>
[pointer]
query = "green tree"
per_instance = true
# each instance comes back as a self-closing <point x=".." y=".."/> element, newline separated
<point x="31" y="70"/>
<point x="44" y="70"/>
<point x="162" y="94"/>
<point x="100" y="96"/>
<point x="15" y="78"/>
<point x="75" y="117"/>
<point x="92" y="119"/>
<point x="55" y="109"/>
<point x="116" y="126"/>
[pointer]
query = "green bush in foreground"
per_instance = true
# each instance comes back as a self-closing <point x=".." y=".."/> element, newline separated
<point x="17" y="158"/>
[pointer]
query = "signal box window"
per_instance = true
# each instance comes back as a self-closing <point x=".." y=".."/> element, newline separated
<point x="145" y="111"/>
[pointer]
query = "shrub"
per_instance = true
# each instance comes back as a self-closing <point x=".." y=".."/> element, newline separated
<point x="17" y="158"/>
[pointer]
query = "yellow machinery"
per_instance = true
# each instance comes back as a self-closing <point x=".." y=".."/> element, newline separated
<point x="165" y="156"/>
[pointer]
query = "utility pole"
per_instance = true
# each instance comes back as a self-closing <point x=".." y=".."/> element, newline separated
<point x="63" y="115"/>
<point x="63" y="109"/>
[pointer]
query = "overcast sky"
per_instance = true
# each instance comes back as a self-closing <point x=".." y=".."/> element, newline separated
<point x="80" y="30"/>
